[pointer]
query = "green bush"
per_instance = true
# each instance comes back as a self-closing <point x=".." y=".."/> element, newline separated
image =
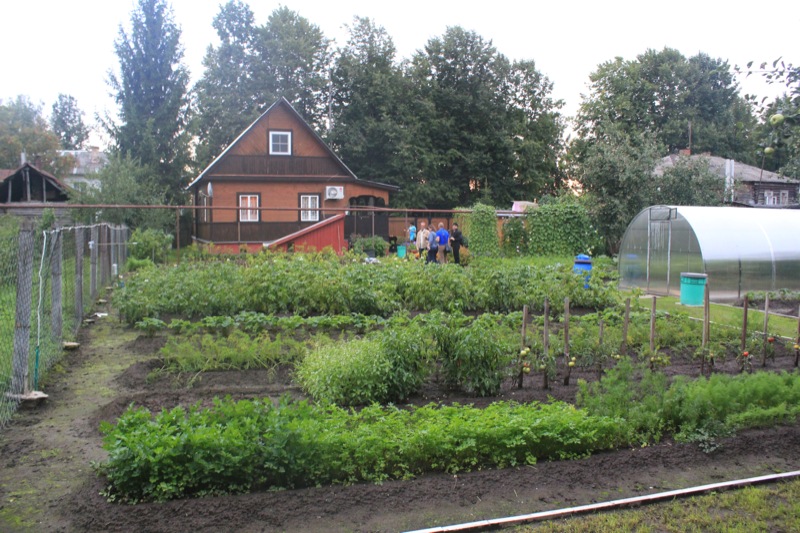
<point x="561" y="228"/>
<point x="133" y="264"/>
<point x="346" y="373"/>
<point x="482" y="236"/>
<point x="378" y="244"/>
<point x="150" y="244"/>
<point x="479" y="358"/>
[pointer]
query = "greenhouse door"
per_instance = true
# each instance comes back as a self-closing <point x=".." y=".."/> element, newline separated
<point x="658" y="252"/>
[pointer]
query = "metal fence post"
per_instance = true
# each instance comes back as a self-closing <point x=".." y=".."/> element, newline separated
<point x="78" y="277"/>
<point x="93" y="250"/>
<point x="22" y="323"/>
<point x="56" y="288"/>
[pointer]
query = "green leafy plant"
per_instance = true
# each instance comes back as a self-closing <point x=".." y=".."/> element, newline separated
<point x="377" y="244"/>
<point x="149" y="244"/>
<point x="235" y="447"/>
<point x="150" y="326"/>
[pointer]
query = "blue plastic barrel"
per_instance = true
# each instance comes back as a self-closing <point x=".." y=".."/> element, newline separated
<point x="583" y="265"/>
<point x="401" y="250"/>
<point x="693" y="288"/>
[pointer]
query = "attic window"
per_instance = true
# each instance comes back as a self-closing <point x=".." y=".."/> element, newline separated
<point x="280" y="143"/>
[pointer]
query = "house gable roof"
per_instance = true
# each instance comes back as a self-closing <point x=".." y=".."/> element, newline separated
<point x="741" y="171"/>
<point x="282" y="103"/>
<point x="6" y="175"/>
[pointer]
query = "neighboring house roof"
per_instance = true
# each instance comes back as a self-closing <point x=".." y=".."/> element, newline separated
<point x="6" y="176"/>
<point x="741" y="171"/>
<point x="349" y="175"/>
<point x="88" y="161"/>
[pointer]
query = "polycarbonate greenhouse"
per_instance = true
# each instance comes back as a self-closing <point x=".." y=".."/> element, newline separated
<point x="740" y="249"/>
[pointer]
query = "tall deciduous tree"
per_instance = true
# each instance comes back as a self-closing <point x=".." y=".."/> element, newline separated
<point x="686" y="103"/>
<point x="481" y="120"/>
<point x="151" y="92"/>
<point x="252" y="67"/>
<point x="616" y="173"/>
<point x="24" y="130"/>
<point x="227" y="98"/>
<point x="369" y="122"/>
<point x="293" y="60"/>
<point x="66" y="120"/>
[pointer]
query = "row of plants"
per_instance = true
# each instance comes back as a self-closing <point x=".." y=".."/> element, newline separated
<point x="236" y="447"/>
<point x="253" y="322"/>
<point x="324" y="283"/>
<point x="397" y="355"/>
<point x="203" y="352"/>
<point x="243" y="446"/>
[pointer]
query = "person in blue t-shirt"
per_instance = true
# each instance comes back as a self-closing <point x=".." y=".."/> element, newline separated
<point x="443" y="237"/>
<point x="412" y="234"/>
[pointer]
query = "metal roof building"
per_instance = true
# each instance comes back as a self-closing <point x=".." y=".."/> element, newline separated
<point x="740" y="249"/>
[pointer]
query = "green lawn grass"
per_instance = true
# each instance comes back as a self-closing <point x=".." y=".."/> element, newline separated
<point x="728" y="315"/>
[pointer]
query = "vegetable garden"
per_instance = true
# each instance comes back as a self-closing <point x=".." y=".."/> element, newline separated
<point x="383" y="356"/>
<point x="281" y="374"/>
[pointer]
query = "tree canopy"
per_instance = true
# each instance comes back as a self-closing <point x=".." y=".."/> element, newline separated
<point x="151" y="92"/>
<point x="685" y="103"/>
<point x="24" y="130"/>
<point x="66" y="121"/>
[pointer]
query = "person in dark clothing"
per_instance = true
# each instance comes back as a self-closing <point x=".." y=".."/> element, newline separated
<point x="456" y="242"/>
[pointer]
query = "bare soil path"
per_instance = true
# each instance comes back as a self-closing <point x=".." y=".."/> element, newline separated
<point x="47" y="483"/>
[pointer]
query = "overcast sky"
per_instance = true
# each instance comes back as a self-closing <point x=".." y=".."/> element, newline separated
<point x="49" y="47"/>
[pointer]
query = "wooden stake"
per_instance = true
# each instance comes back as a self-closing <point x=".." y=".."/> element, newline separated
<point x="546" y="337"/>
<point x="706" y="315"/>
<point x="653" y="326"/>
<point x="600" y="346"/>
<point x="623" y="349"/>
<point x="546" y="342"/>
<point x="524" y="332"/>
<point x="744" y="323"/>
<point x="766" y="332"/>
<point x="797" y="340"/>
<point x="566" y="328"/>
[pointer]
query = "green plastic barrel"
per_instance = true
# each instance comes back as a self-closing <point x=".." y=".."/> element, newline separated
<point x="693" y="288"/>
<point x="401" y="251"/>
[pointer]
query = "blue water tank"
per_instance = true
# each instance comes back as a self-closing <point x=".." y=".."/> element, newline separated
<point x="583" y="265"/>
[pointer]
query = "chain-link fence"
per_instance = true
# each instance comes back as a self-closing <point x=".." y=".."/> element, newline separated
<point x="49" y="281"/>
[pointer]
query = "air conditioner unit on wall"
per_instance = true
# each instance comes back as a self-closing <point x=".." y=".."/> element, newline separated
<point x="334" y="193"/>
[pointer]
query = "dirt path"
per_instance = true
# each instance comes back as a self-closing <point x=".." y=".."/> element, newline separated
<point x="47" y="484"/>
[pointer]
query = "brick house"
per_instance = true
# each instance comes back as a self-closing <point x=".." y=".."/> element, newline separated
<point x="278" y="178"/>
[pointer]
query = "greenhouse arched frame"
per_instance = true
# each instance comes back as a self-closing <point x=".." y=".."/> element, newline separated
<point x="740" y="249"/>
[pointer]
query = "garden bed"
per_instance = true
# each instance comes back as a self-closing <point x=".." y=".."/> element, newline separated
<point x="47" y="484"/>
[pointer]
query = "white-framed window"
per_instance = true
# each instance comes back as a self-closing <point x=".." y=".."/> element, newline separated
<point x="205" y="214"/>
<point x="309" y="201"/>
<point x="248" y="208"/>
<point x="280" y="143"/>
<point x="784" y="197"/>
<point x="769" y="198"/>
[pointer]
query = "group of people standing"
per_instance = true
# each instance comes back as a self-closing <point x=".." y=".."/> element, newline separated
<point x="437" y="244"/>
